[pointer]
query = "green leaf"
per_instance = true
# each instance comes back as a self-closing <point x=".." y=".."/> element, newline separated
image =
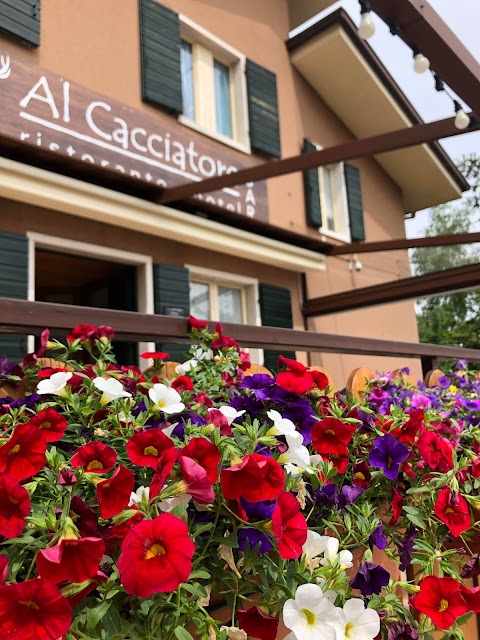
<point x="416" y="521"/>
<point x="195" y="589"/>
<point x="97" y="613"/>
<point x="182" y="634"/>
<point x="200" y="574"/>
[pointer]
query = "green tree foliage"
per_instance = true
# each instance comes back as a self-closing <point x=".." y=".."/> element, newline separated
<point x="452" y="319"/>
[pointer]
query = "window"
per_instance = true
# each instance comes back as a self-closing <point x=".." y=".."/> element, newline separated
<point x="213" y="86"/>
<point x="333" y="201"/>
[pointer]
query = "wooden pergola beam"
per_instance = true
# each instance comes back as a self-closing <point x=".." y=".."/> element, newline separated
<point x="440" y="282"/>
<point x="405" y="243"/>
<point x="399" y="139"/>
<point x="419" y="25"/>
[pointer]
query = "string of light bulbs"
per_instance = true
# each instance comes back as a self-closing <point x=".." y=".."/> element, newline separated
<point x="421" y="63"/>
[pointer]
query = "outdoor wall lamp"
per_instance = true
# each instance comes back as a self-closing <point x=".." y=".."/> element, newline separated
<point x="461" y="119"/>
<point x="367" y="25"/>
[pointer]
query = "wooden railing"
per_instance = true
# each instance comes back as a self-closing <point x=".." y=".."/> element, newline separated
<point x="25" y="317"/>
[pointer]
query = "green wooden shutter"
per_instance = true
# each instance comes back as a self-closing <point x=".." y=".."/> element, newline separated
<point x="354" y="199"/>
<point x="171" y="298"/>
<point x="263" y="109"/>
<point x="275" y="311"/>
<point x="21" y="18"/>
<point x="312" y="191"/>
<point x="160" y="55"/>
<point x="13" y="284"/>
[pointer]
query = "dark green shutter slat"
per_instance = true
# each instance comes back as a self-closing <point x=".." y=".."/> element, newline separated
<point x="13" y="284"/>
<point x="312" y="191"/>
<point x="263" y="109"/>
<point x="354" y="199"/>
<point x="171" y="297"/>
<point x="275" y="311"/>
<point x="160" y="55"/>
<point x="21" y="18"/>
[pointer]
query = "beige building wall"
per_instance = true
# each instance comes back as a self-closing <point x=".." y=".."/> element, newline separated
<point x="97" y="45"/>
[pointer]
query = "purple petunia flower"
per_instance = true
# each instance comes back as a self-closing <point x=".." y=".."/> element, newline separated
<point x="370" y="578"/>
<point x="259" y="384"/>
<point x="444" y="382"/>
<point x="254" y="538"/>
<point x="388" y="455"/>
<point x="259" y="510"/>
<point x="378" y="538"/>
<point x="399" y="630"/>
<point x="471" y="569"/>
<point x="405" y="547"/>
<point x="348" y="495"/>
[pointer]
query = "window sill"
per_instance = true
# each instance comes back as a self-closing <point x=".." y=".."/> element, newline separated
<point x="229" y="142"/>
<point x="341" y="237"/>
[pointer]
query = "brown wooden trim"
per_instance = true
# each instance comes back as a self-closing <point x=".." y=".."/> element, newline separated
<point x="405" y="243"/>
<point x="421" y="26"/>
<point x="341" y="18"/>
<point x="400" y="139"/>
<point x="437" y="283"/>
<point x="24" y="317"/>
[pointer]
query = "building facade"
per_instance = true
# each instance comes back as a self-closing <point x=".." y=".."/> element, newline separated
<point x="106" y="102"/>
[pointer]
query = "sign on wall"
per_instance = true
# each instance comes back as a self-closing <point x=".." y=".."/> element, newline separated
<point x="42" y="110"/>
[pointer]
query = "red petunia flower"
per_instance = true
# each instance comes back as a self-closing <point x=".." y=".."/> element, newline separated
<point x="397" y="503"/>
<point x="165" y="465"/>
<point x="436" y="451"/>
<point x="94" y="457"/>
<point x="331" y="435"/>
<point x="216" y="417"/>
<point x="33" y="610"/>
<point x="205" y="453"/>
<point x="198" y="484"/>
<point x="118" y="532"/>
<point x="441" y="600"/>
<point x="104" y="331"/>
<point x="114" y="494"/>
<point x="295" y="382"/>
<point x="3" y="568"/>
<point x="452" y="509"/>
<point x="53" y="425"/>
<point x="245" y="362"/>
<point x="471" y="597"/>
<point x="73" y="560"/>
<point x="196" y="324"/>
<point x="156" y="355"/>
<point x="292" y="365"/>
<point x="145" y="448"/>
<point x="289" y="527"/>
<point x="413" y="428"/>
<point x="258" y="624"/>
<point x="82" y="332"/>
<point x="14" y="507"/>
<point x="183" y="383"/>
<point x="203" y="399"/>
<point x="255" y="479"/>
<point x="339" y="459"/>
<point x="24" y="454"/>
<point x="156" y="556"/>
<point x="320" y="379"/>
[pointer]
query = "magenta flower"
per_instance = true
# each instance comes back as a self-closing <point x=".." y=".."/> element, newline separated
<point x="388" y="455"/>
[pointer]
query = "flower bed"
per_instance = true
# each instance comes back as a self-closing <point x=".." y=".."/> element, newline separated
<point x="131" y="503"/>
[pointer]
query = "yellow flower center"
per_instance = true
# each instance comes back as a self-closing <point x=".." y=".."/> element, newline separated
<point x="310" y="616"/>
<point x="348" y="628"/>
<point x="448" y="510"/>
<point x="94" y="464"/>
<point x="443" y="605"/>
<point x="330" y="432"/>
<point x="45" y="425"/>
<point x="160" y="404"/>
<point x="155" y="550"/>
<point x="359" y="476"/>
<point x="14" y="450"/>
<point x="150" y="451"/>
<point x="30" y="604"/>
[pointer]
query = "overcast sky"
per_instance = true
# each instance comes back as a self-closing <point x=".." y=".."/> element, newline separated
<point x="463" y="17"/>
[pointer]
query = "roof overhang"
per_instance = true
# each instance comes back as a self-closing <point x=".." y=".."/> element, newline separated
<point x="361" y="92"/>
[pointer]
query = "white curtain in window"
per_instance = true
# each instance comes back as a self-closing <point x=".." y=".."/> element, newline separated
<point x="223" y="106"/>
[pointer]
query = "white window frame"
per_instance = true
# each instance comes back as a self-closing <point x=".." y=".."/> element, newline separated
<point x="340" y="203"/>
<point x="250" y="296"/>
<point x="144" y="264"/>
<point x="205" y="48"/>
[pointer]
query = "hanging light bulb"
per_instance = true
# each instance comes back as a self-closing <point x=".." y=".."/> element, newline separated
<point x="461" y="119"/>
<point x="420" y="62"/>
<point x="367" y="25"/>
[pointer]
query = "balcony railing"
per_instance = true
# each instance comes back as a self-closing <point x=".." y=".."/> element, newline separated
<point x="25" y="317"/>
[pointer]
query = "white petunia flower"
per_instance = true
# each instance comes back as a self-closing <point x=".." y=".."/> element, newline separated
<point x="137" y="496"/>
<point x="314" y="546"/>
<point x="281" y="426"/>
<point x="200" y="354"/>
<point x="111" y="389"/>
<point x="356" y="622"/>
<point x="188" y="365"/>
<point x="170" y="503"/>
<point x="310" y="615"/>
<point x="165" y="399"/>
<point x="297" y="458"/>
<point x="55" y="384"/>
<point x="230" y="413"/>
<point x="331" y="554"/>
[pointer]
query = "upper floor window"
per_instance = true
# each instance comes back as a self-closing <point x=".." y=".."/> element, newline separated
<point x="333" y="201"/>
